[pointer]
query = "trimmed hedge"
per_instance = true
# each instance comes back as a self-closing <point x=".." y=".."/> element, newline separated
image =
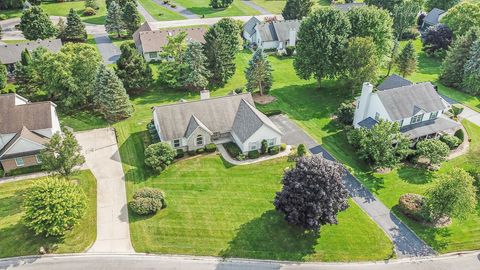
<point x="147" y="201"/>
<point x="210" y="148"/>
<point x="200" y="150"/>
<point x="180" y="153"/>
<point x="452" y="141"/>
<point x="274" y="150"/>
<point x="233" y="149"/>
<point x="301" y="150"/>
<point x="254" y="154"/>
<point x="283" y="147"/>
<point x="89" y="11"/>
<point x="459" y="134"/>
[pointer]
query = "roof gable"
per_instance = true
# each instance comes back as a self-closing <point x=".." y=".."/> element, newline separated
<point x="393" y="81"/>
<point x="277" y="30"/>
<point x="249" y="26"/>
<point x="433" y="17"/>
<point x="23" y="141"/>
<point x="12" y="53"/>
<point x="193" y="125"/>
<point x="153" y="41"/>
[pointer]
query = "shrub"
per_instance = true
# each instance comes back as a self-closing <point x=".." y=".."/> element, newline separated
<point x="149" y="193"/>
<point x="283" y="147"/>
<point x="180" y="153"/>
<point x="200" y="150"/>
<point x="147" y="201"/>
<point x="3" y="17"/>
<point x="452" y="141"/>
<point x="192" y="153"/>
<point x="289" y="50"/>
<point x="241" y="157"/>
<point x="301" y="150"/>
<point x="459" y="134"/>
<point x="254" y="154"/>
<point x="412" y="205"/>
<point x="273" y="112"/>
<point x="89" y="11"/>
<point x="438" y="38"/>
<point x="274" y="150"/>
<point x="345" y="113"/>
<point x="232" y="149"/>
<point x="210" y="148"/>
<point x="173" y="5"/>
<point x="53" y="206"/>
<point x="410" y="34"/>
<point x="159" y="155"/>
<point x="239" y="90"/>
<point x="434" y="150"/>
<point x="152" y="130"/>
<point x="264" y="148"/>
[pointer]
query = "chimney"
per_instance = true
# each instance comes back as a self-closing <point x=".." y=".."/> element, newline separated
<point x="204" y="94"/>
<point x="363" y="103"/>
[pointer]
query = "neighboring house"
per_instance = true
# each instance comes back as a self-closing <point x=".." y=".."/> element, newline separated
<point x="432" y="18"/>
<point x="149" y="42"/>
<point x="348" y="6"/>
<point x="24" y="129"/>
<point x="12" y="53"/>
<point x="271" y="35"/>
<point x="192" y="125"/>
<point x="417" y="108"/>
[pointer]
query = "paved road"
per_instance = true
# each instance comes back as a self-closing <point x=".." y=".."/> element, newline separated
<point x="204" y="21"/>
<point x="407" y="244"/>
<point x="468" y="113"/>
<point x="147" y="16"/>
<point x="256" y="7"/>
<point x="139" y="262"/>
<point x="110" y="53"/>
<point x="100" y="149"/>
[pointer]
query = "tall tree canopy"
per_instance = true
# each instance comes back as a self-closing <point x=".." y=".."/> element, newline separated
<point x="131" y="17"/>
<point x="132" y="69"/>
<point x="407" y="60"/>
<point x="322" y="35"/>
<point x="361" y="62"/>
<point x="385" y="4"/>
<point x="35" y="24"/>
<point x="28" y="81"/>
<point x="172" y="69"/>
<point x="375" y="23"/>
<point x="441" y="4"/>
<point x="296" y="9"/>
<point x="75" y="29"/>
<point x="259" y="73"/>
<point x="114" y="22"/>
<point x="471" y="76"/>
<point x="437" y="38"/>
<point x="313" y="193"/>
<point x="463" y="17"/>
<point x="222" y="42"/>
<point x="196" y="72"/>
<point x="405" y="16"/>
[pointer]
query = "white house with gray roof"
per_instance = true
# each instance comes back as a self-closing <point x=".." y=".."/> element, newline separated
<point x="416" y="107"/>
<point x="271" y="35"/>
<point x="192" y="125"/>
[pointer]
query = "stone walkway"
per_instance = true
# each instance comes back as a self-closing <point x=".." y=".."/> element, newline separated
<point x="256" y="7"/>
<point x="178" y="9"/>
<point x="100" y="149"/>
<point x="406" y="242"/>
<point x="232" y="161"/>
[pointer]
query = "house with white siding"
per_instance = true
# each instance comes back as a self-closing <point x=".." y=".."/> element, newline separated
<point x="25" y="128"/>
<point x="271" y="35"/>
<point x="416" y="107"/>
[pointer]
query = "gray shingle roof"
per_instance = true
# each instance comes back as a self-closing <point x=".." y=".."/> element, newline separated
<point x="393" y="81"/>
<point x="277" y="30"/>
<point x="433" y="17"/>
<point x="368" y="123"/>
<point x="404" y="102"/>
<point x="249" y="26"/>
<point x="429" y="127"/>
<point x="26" y="134"/>
<point x="12" y="53"/>
<point x="346" y="7"/>
<point x="193" y="124"/>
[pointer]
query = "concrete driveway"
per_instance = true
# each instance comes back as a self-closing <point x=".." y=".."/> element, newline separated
<point x="407" y="243"/>
<point x="100" y="149"/>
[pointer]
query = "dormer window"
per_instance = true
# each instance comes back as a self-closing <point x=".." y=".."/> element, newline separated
<point x="416" y="119"/>
<point x="433" y="115"/>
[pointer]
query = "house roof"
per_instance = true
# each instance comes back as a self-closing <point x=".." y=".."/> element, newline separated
<point x="405" y="101"/>
<point x="193" y="124"/>
<point x="249" y="26"/>
<point x="12" y="53"/>
<point x="429" y="127"/>
<point x="277" y="30"/>
<point x="248" y="120"/>
<point x="347" y="6"/>
<point x="153" y="40"/>
<point x="433" y="17"/>
<point x="33" y="116"/>
<point x="368" y="123"/>
<point x="393" y="81"/>
<point x="25" y="134"/>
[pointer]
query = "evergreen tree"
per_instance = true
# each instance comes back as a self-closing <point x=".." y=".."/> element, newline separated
<point x="297" y="9"/>
<point x="222" y="42"/>
<point x="173" y="53"/>
<point x="196" y="73"/>
<point x="75" y="30"/>
<point x="407" y="60"/>
<point x="133" y="70"/>
<point x="463" y="17"/>
<point x="441" y="4"/>
<point x="114" y="22"/>
<point x="110" y="97"/>
<point x="91" y="4"/>
<point x="131" y="17"/>
<point x="259" y="73"/>
<point x="35" y="24"/>
<point x="61" y="29"/>
<point x="471" y="78"/>
<point x="454" y="63"/>
<point x="385" y="4"/>
<point x="3" y="76"/>
<point x="27" y="80"/>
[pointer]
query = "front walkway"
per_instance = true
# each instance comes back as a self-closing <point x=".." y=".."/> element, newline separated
<point x="232" y="161"/>
<point x="406" y="242"/>
<point x="103" y="159"/>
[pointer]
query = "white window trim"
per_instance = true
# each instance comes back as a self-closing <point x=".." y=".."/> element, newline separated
<point x="37" y="157"/>
<point x="253" y="146"/>
<point x="201" y="138"/>
<point x="18" y="164"/>
<point x="433" y="115"/>
<point x="416" y="119"/>
<point x="152" y="55"/>
<point x="272" y="142"/>
<point x="179" y="143"/>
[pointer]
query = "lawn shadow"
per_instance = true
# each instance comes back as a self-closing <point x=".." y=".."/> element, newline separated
<point x="205" y="10"/>
<point x="132" y="153"/>
<point x="413" y="175"/>
<point x="11" y="205"/>
<point x="270" y="237"/>
<point x="428" y="65"/>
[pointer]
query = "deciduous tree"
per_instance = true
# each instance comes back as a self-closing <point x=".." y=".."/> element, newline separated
<point x="405" y="16"/>
<point x="27" y="80"/>
<point x="159" y="156"/>
<point x="259" y="73"/>
<point x="407" y="60"/>
<point x="133" y="70"/>
<point x="313" y="193"/>
<point x="196" y="73"/>
<point x="462" y="17"/>
<point x="441" y="4"/>
<point x="386" y="4"/>
<point x="471" y="75"/>
<point x="434" y="150"/>
<point x="437" y="39"/>
<point x="75" y="29"/>
<point x="297" y="9"/>
<point x="35" y="24"/>
<point x="361" y="62"/>
<point x="220" y="3"/>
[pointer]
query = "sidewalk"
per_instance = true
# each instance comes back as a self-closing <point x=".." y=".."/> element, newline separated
<point x="232" y="161"/>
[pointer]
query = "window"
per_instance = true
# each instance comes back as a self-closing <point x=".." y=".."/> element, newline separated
<point x="176" y="143"/>
<point x="152" y="54"/>
<point x="271" y="142"/>
<point x="416" y="119"/>
<point x="433" y="115"/>
<point x="400" y="123"/>
<point x="199" y="140"/>
<point x="377" y="116"/>
<point x="19" y="162"/>
<point x="39" y="160"/>
<point x="253" y="146"/>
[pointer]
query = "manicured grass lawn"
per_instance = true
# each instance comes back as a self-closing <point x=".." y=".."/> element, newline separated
<point x="216" y="209"/>
<point x="201" y="7"/>
<point x="160" y="13"/>
<point x="274" y="6"/>
<point x="54" y="8"/>
<point x="17" y="240"/>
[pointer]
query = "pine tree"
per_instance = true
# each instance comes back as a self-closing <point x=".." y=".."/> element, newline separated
<point x="35" y="24"/>
<point x="196" y="74"/>
<point x="110" y="97"/>
<point x="114" y="21"/>
<point x="454" y="63"/>
<point x="3" y="76"/>
<point x="75" y="30"/>
<point x="26" y="77"/>
<point x="296" y="9"/>
<point x="131" y="17"/>
<point x="61" y="29"/>
<point x="259" y="73"/>
<point x="133" y="70"/>
<point x="407" y="60"/>
<point x="471" y="78"/>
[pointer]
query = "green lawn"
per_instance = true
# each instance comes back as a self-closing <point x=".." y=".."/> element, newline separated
<point x="53" y="8"/>
<point x="17" y="240"/>
<point x="201" y="7"/>
<point x="160" y="13"/>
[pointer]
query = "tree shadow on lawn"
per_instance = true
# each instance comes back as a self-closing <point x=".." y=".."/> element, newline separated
<point x="160" y="96"/>
<point x="205" y="10"/>
<point x="12" y="205"/>
<point x="132" y="154"/>
<point x="271" y="237"/>
<point x="428" y="65"/>
<point x="413" y="175"/>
